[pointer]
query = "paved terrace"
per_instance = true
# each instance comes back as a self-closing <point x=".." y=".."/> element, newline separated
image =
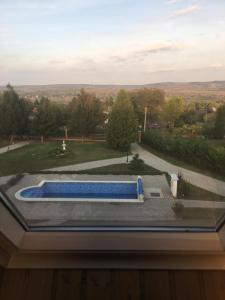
<point x="153" y="212"/>
<point x="70" y="213"/>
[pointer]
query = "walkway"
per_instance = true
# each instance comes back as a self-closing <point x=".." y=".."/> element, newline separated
<point x="13" y="147"/>
<point x="92" y="164"/>
<point x="205" y="182"/>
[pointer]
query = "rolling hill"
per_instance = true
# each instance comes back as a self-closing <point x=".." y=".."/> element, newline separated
<point x="199" y="91"/>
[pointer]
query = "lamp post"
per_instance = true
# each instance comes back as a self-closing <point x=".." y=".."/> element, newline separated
<point x="139" y="133"/>
<point x="66" y="132"/>
<point x="127" y="147"/>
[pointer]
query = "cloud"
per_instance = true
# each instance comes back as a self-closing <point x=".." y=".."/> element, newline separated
<point x="174" y="1"/>
<point x="216" y="66"/>
<point x="185" y="11"/>
<point x="141" y="53"/>
<point x="167" y="47"/>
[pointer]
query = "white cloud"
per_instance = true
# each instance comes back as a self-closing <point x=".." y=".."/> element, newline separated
<point x="185" y="11"/>
<point x="174" y="1"/>
<point x="216" y="66"/>
<point x="146" y="50"/>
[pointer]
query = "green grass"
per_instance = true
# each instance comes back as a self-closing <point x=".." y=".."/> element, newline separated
<point x="118" y="169"/>
<point x="3" y="143"/>
<point x="182" y="164"/>
<point x="37" y="156"/>
<point x="196" y="193"/>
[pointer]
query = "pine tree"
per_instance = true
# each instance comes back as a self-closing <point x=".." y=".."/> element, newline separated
<point x="220" y="123"/>
<point x="47" y="118"/>
<point x="85" y="112"/>
<point x="14" y="112"/>
<point x="122" y="125"/>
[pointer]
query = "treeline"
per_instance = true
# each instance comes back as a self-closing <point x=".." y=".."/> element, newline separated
<point x="119" y="117"/>
<point x="128" y="113"/>
<point x="44" y="118"/>
<point x="194" y="151"/>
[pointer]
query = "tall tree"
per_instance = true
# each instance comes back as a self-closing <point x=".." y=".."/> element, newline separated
<point x="173" y="110"/>
<point x="153" y="99"/>
<point x="47" y="118"/>
<point x="220" y="123"/>
<point x="85" y="112"/>
<point x="122" y="125"/>
<point x="14" y="113"/>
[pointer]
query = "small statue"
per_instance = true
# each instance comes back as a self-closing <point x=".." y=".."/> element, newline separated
<point x="64" y="145"/>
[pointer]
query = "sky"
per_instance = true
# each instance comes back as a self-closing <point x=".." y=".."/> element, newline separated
<point x="111" y="41"/>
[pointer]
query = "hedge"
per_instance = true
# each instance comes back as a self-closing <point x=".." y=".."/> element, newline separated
<point x="193" y="151"/>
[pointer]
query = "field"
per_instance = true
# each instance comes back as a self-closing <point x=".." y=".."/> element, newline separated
<point x="37" y="156"/>
<point x="191" y="91"/>
<point x="196" y="193"/>
<point x="3" y="143"/>
<point x="118" y="169"/>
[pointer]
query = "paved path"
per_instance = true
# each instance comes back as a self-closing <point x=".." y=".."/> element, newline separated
<point x="92" y="164"/>
<point x="13" y="147"/>
<point x="205" y="182"/>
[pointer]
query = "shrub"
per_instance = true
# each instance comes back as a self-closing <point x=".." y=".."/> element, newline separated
<point x="183" y="187"/>
<point x="136" y="164"/>
<point x="11" y="182"/>
<point x="177" y="207"/>
<point x="208" y="130"/>
<point x="194" y="151"/>
<point x="57" y="152"/>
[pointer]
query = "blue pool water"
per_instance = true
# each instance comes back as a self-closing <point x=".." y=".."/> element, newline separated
<point x="90" y="190"/>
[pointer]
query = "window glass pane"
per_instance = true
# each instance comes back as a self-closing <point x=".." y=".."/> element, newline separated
<point x="115" y="115"/>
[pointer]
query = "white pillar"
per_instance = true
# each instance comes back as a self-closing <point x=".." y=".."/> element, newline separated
<point x="173" y="184"/>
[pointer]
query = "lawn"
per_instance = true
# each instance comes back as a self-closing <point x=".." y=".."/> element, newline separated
<point x="37" y="156"/>
<point x="3" y="143"/>
<point x="118" y="169"/>
<point x="196" y="193"/>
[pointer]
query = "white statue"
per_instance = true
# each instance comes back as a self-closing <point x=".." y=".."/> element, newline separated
<point x="64" y="145"/>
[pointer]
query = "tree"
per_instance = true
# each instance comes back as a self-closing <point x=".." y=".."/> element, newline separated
<point x="122" y="125"/>
<point x="85" y="112"/>
<point x="173" y="110"/>
<point x="190" y="115"/>
<point x="220" y="123"/>
<point x="47" y="118"/>
<point x="14" y="112"/>
<point x="151" y="98"/>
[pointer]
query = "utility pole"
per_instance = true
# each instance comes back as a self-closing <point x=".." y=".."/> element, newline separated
<point x="66" y="132"/>
<point x="145" y="121"/>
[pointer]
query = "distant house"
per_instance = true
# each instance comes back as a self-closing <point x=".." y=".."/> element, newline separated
<point x="154" y="125"/>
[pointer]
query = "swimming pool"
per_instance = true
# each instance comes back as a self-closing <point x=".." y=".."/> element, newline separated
<point x="91" y="191"/>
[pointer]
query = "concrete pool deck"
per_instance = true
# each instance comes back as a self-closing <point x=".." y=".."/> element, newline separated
<point x="70" y="213"/>
<point x="152" y="212"/>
